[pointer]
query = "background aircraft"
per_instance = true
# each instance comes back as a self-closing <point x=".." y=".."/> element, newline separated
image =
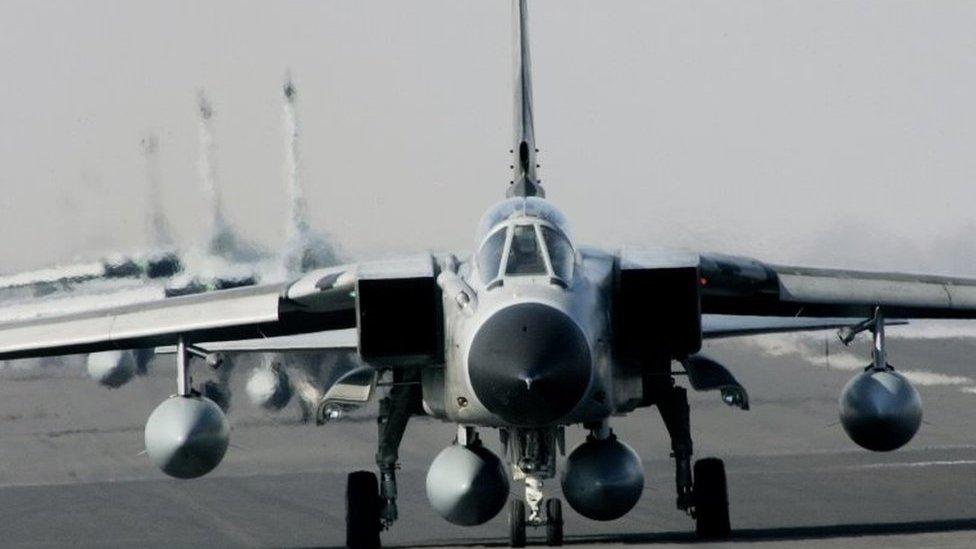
<point x="223" y="260"/>
<point x="652" y="311"/>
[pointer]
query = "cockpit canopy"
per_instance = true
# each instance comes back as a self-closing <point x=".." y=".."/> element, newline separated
<point x="524" y="236"/>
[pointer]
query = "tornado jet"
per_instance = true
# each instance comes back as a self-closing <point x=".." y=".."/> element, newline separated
<point x="529" y="334"/>
<point x="224" y="261"/>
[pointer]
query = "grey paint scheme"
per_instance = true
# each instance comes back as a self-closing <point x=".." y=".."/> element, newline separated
<point x="721" y="326"/>
<point x="234" y="314"/>
<point x="326" y="300"/>
<point x="316" y="341"/>
<point x="880" y="410"/>
<point x="603" y="479"/>
<point x="713" y="327"/>
<point x="467" y="485"/>
<point x="111" y="368"/>
<point x="187" y="436"/>
<point x="525" y="181"/>
<point x="745" y="286"/>
<point x="586" y="301"/>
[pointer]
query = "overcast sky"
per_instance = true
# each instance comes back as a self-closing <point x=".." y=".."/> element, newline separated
<point x="838" y="133"/>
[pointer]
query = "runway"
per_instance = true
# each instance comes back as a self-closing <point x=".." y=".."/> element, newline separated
<point x="815" y="499"/>
<point x="71" y="473"/>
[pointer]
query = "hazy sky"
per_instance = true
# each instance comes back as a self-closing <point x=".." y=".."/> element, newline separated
<point x="838" y="133"/>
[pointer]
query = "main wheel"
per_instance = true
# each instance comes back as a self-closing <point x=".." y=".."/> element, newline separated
<point x="516" y="523"/>
<point x="362" y="511"/>
<point x="711" y="500"/>
<point x="554" y="522"/>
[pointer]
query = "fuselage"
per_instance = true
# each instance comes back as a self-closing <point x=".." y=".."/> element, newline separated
<point x="527" y="328"/>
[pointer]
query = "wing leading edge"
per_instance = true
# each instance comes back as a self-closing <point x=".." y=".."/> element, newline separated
<point x="742" y="286"/>
<point x="319" y="301"/>
<point x="739" y="296"/>
<point x="721" y="326"/>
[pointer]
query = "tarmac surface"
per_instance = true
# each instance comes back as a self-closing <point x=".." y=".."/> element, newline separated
<point x="71" y="473"/>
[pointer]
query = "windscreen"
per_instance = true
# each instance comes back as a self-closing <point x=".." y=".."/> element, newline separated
<point x="525" y="255"/>
<point x="560" y="253"/>
<point x="490" y="256"/>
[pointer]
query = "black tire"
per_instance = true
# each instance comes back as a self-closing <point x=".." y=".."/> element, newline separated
<point x="362" y="511"/>
<point x="554" y="522"/>
<point x="711" y="500"/>
<point x="516" y="523"/>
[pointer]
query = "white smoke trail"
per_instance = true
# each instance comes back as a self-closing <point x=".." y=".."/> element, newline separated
<point x="160" y="233"/>
<point x="304" y="248"/>
<point x="297" y="222"/>
<point x="223" y="242"/>
<point x="208" y="169"/>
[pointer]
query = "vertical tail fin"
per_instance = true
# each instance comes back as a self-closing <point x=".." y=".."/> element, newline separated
<point x="525" y="182"/>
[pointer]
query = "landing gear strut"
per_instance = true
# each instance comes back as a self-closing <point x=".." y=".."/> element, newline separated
<point x="532" y="455"/>
<point x="704" y="496"/>
<point x="371" y="505"/>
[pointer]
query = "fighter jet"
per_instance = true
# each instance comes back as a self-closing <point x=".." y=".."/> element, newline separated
<point x="224" y="261"/>
<point x="530" y="334"/>
<point x="118" y="272"/>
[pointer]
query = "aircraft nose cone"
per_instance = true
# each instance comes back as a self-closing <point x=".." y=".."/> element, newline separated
<point x="529" y="364"/>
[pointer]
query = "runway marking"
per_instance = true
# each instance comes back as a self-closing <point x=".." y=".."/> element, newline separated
<point x="942" y="463"/>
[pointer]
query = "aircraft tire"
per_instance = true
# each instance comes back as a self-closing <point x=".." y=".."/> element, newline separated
<point x="554" y="522"/>
<point x="362" y="511"/>
<point x="516" y="523"/>
<point x="711" y="500"/>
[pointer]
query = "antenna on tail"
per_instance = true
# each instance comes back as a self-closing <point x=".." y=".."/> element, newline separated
<point x="525" y="182"/>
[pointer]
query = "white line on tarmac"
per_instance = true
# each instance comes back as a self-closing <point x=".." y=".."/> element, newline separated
<point x="946" y="463"/>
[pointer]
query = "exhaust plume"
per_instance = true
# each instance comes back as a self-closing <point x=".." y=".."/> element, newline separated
<point x="297" y="222"/>
<point x="208" y="169"/>
<point x="304" y="249"/>
<point x="223" y="241"/>
<point x="159" y="230"/>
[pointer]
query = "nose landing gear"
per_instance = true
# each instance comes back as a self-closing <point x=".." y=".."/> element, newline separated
<point x="532" y="455"/>
<point x="552" y="521"/>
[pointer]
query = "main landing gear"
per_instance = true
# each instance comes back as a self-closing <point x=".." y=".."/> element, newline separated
<point x="363" y="522"/>
<point x="702" y="492"/>
<point x="371" y="504"/>
<point x="532" y="455"/>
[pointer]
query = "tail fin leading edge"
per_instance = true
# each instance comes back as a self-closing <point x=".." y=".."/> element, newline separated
<point x="525" y="182"/>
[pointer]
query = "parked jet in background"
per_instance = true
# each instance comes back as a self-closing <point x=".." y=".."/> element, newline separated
<point x="532" y="334"/>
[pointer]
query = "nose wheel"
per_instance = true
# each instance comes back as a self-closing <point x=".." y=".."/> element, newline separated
<point x="532" y="456"/>
<point x="516" y="523"/>
<point x="553" y="522"/>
